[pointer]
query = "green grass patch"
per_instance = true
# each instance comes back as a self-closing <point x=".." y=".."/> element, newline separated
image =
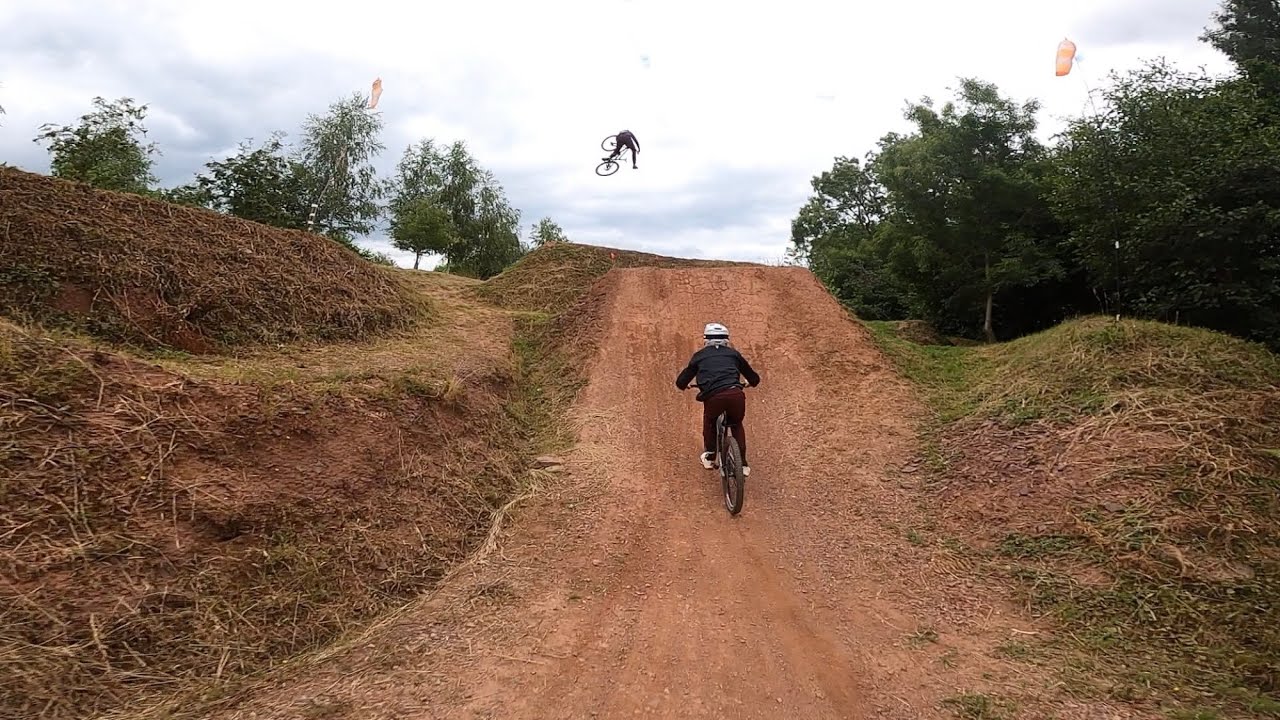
<point x="547" y="383"/>
<point x="1082" y="367"/>
<point x="943" y="371"/>
<point x="1171" y="591"/>
<point x="1026" y="546"/>
<point x="1169" y="639"/>
<point x="979" y="706"/>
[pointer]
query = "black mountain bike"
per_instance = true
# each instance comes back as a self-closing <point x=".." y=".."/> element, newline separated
<point x="609" y="167"/>
<point x="729" y="462"/>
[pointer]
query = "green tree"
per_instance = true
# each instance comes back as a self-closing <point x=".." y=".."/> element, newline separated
<point x="419" y="175"/>
<point x="494" y="240"/>
<point x="104" y="149"/>
<point x="445" y="180"/>
<point x="835" y="234"/>
<point x="486" y="228"/>
<point x="189" y="194"/>
<point x="1248" y="32"/>
<point x="335" y="167"/>
<point x="546" y="231"/>
<point x="459" y="184"/>
<point x="422" y="227"/>
<point x="965" y="205"/>
<point x="263" y="185"/>
<point x="1180" y="169"/>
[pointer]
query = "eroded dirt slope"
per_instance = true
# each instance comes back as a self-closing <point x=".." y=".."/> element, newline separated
<point x="625" y="590"/>
<point x="169" y="520"/>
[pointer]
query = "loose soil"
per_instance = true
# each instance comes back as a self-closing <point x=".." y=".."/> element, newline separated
<point x="624" y="589"/>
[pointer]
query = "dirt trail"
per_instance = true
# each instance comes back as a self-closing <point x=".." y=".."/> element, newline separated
<point x="624" y="589"/>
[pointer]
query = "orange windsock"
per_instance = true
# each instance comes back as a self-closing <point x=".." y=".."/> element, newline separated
<point x="1066" y="54"/>
<point x="375" y="94"/>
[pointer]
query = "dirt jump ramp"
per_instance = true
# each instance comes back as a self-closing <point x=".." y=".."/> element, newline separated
<point x="625" y="589"/>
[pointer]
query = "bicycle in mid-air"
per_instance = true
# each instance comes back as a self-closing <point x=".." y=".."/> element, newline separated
<point x="729" y="462"/>
<point x="609" y="167"/>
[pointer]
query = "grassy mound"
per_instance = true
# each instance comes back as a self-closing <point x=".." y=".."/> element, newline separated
<point x="1128" y="475"/>
<point x="129" y="268"/>
<point x="176" y="521"/>
<point x="554" y="277"/>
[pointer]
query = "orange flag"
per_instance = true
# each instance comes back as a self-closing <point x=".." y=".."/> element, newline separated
<point x="375" y="94"/>
<point x="1066" y="54"/>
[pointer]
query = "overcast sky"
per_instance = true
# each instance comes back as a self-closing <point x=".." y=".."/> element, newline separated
<point x="736" y="104"/>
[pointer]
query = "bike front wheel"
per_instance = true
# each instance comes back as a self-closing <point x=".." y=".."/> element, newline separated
<point x="607" y="168"/>
<point x="609" y="143"/>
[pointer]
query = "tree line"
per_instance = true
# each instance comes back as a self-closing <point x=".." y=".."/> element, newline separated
<point x="439" y="200"/>
<point x="1164" y="203"/>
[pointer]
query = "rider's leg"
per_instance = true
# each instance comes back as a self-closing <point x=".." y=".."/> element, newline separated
<point x="740" y="434"/>
<point x="735" y="405"/>
<point x="634" y="151"/>
<point x="709" y="415"/>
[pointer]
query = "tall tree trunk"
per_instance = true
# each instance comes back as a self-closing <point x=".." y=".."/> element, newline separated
<point x="987" y="330"/>
<point x="416" y="258"/>
<point x="986" y="323"/>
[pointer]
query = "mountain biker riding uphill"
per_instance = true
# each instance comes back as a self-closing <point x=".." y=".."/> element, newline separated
<point x="717" y="367"/>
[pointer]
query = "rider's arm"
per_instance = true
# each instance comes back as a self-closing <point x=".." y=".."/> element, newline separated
<point x="745" y="368"/>
<point x="686" y="375"/>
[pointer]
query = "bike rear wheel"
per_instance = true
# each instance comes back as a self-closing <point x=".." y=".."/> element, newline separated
<point x="607" y="168"/>
<point x="609" y="143"/>
<point x="731" y="478"/>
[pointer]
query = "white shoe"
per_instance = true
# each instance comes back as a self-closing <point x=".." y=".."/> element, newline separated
<point x="708" y="460"/>
<point x="746" y="471"/>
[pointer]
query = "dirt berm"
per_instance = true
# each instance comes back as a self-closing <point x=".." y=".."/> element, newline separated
<point x="624" y="589"/>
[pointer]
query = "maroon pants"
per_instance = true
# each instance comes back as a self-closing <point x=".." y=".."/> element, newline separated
<point x="733" y="402"/>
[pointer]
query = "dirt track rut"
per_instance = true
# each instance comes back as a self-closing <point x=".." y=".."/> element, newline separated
<point x="625" y="589"/>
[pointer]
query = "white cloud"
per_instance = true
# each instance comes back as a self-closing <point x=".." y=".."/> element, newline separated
<point x="740" y="105"/>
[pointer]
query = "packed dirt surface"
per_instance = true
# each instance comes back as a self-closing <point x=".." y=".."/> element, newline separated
<point x="624" y="589"/>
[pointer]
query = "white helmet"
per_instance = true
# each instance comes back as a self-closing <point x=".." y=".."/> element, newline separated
<point x="715" y="332"/>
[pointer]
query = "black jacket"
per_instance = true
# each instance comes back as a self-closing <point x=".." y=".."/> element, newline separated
<point x="627" y="138"/>
<point x="717" y="367"/>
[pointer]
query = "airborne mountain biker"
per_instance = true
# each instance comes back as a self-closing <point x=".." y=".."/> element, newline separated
<point x="717" y="367"/>
<point x="628" y="140"/>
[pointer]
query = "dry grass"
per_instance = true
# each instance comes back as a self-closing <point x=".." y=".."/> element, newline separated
<point x="1127" y="475"/>
<point x="534" y="421"/>
<point x="128" y="268"/>
<point x="175" y="525"/>
<point x="465" y="342"/>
